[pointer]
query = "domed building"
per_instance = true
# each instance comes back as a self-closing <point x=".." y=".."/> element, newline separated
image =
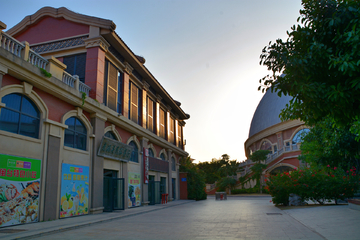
<point x="268" y="132"/>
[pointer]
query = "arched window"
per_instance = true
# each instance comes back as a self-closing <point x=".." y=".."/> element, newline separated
<point x="298" y="138"/>
<point x="134" y="153"/>
<point x="151" y="153"/>
<point x="20" y="116"/>
<point x="173" y="164"/>
<point x="111" y="135"/>
<point x="162" y="156"/>
<point x="266" y="146"/>
<point x="75" y="134"/>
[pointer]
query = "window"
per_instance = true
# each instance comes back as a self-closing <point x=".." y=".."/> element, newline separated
<point x="134" y="153"/>
<point x="266" y="146"/>
<point x="111" y="135"/>
<point x="76" y="65"/>
<point x="20" y="116"/>
<point x="179" y="136"/>
<point x="162" y="119"/>
<point x="298" y="138"/>
<point x="172" y="131"/>
<point x="162" y="156"/>
<point x="151" y="153"/>
<point x="150" y="110"/>
<point x="113" y="90"/>
<point x="173" y="164"/>
<point x="134" y="103"/>
<point x="75" y="134"/>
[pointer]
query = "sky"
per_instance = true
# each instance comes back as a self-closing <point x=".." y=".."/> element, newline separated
<point x="205" y="53"/>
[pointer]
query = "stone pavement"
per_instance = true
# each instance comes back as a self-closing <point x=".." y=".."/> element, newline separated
<point x="245" y="217"/>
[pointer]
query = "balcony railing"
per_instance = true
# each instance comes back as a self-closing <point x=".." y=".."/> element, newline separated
<point x="10" y="44"/>
<point x="158" y="165"/>
<point x="22" y="50"/>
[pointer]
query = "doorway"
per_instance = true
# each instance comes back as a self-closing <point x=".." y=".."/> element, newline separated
<point x="113" y="191"/>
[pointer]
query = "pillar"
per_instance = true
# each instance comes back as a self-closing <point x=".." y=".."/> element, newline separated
<point x="170" y="174"/>
<point x="97" y="165"/>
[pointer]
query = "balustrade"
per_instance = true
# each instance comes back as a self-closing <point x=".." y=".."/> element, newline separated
<point x="11" y="44"/>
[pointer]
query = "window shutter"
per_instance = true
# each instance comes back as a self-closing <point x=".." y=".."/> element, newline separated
<point x="150" y="120"/>
<point x="112" y="87"/>
<point x="134" y="103"/>
<point x="162" y="123"/>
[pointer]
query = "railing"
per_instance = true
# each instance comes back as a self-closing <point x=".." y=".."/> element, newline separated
<point x="84" y="88"/>
<point x="23" y="51"/>
<point x="68" y="79"/>
<point x="37" y="60"/>
<point x="10" y="44"/>
<point x="158" y="165"/>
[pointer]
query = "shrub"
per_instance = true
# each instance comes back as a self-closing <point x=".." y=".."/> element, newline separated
<point x="314" y="184"/>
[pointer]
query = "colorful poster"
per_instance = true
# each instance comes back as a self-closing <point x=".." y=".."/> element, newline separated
<point x="74" y="190"/>
<point x="19" y="190"/>
<point x="134" y="191"/>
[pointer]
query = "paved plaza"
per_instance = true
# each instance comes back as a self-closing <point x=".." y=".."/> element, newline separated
<point x="236" y="218"/>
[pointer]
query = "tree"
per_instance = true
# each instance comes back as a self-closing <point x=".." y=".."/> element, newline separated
<point x="318" y="64"/>
<point x="226" y="183"/>
<point x="334" y="146"/>
<point x="195" y="179"/>
<point x="258" y="157"/>
<point x="218" y="168"/>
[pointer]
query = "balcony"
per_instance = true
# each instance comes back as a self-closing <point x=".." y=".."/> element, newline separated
<point x="158" y="165"/>
<point x="53" y="66"/>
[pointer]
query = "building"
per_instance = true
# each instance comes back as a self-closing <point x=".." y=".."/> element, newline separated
<point x="267" y="132"/>
<point x="84" y="125"/>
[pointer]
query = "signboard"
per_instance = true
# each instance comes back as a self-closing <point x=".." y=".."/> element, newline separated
<point x="74" y="190"/>
<point x="134" y="191"/>
<point x="19" y="190"/>
<point x="183" y="179"/>
<point x="146" y="165"/>
<point x="113" y="149"/>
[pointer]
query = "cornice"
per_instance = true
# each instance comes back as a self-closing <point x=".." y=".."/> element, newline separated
<point x="61" y="13"/>
<point x="97" y="42"/>
<point x="128" y="68"/>
<point x="272" y="130"/>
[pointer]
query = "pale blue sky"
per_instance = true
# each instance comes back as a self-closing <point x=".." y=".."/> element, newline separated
<point x="205" y="53"/>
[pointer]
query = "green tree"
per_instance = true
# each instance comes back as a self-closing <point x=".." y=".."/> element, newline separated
<point x="258" y="157"/>
<point x="318" y="64"/>
<point x="195" y="179"/>
<point x="334" y="146"/>
<point x="226" y="183"/>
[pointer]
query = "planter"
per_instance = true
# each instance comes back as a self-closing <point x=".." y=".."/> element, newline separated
<point x="354" y="204"/>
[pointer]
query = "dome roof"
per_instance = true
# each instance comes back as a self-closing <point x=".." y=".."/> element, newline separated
<point x="267" y="112"/>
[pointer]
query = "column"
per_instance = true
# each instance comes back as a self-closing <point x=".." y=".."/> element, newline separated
<point x="169" y="152"/>
<point x="127" y="74"/>
<point x="97" y="165"/>
<point x="3" y="71"/>
<point x="53" y="164"/>
<point x="157" y="112"/>
<point x="144" y="103"/>
<point x="144" y="186"/>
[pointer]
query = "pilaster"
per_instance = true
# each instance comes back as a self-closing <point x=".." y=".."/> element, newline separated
<point x="126" y="94"/>
<point x="145" y="189"/>
<point x="170" y="196"/>
<point x="3" y="71"/>
<point x="97" y="165"/>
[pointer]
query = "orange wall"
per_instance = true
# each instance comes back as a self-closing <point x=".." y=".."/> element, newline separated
<point x="56" y="28"/>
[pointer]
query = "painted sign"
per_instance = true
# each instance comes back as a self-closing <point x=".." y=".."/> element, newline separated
<point x="19" y="190"/>
<point x="134" y="191"/>
<point x="113" y="149"/>
<point x="74" y="190"/>
<point x="146" y="165"/>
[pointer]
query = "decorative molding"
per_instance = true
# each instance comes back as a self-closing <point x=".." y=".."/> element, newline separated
<point x="3" y="70"/>
<point x="158" y="98"/>
<point x="51" y="122"/>
<point x="27" y="88"/>
<point x="128" y="68"/>
<point x="146" y="85"/>
<point x="97" y="42"/>
<point x="97" y="115"/>
<point x="59" y="44"/>
<point x="272" y="130"/>
<point x="61" y="13"/>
